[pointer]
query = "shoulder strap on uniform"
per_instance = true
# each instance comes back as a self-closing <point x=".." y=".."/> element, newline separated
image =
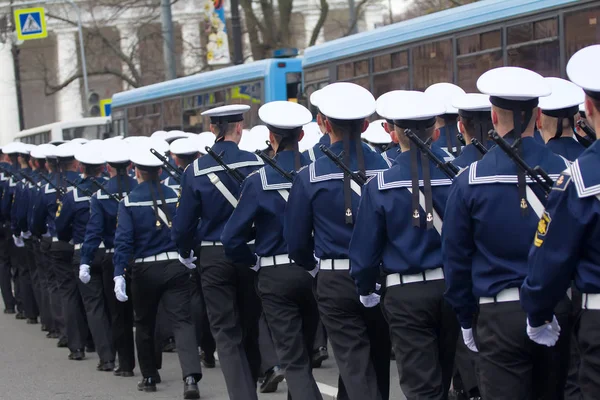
<point x="533" y="200"/>
<point x="214" y="179"/>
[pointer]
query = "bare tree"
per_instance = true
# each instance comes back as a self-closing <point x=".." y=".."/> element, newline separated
<point x="424" y="7"/>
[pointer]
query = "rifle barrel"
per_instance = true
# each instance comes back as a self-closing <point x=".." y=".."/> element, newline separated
<point x="446" y="167"/>
<point x="273" y="164"/>
<point x="359" y="177"/>
<point x="479" y="146"/>
<point x="235" y="174"/>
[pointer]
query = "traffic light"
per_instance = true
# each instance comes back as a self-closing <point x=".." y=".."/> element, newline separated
<point x="94" y="104"/>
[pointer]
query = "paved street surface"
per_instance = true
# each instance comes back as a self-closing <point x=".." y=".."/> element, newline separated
<point x="33" y="368"/>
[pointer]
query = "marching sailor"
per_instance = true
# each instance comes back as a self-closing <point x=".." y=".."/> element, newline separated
<point x="474" y="122"/>
<point x="324" y="200"/>
<point x="489" y="222"/>
<point x="448" y="141"/>
<point x="557" y="120"/>
<point x="284" y="287"/>
<point x="6" y="241"/>
<point x="566" y="242"/>
<point x="315" y="152"/>
<point x="209" y="193"/>
<point x="143" y="235"/>
<point x="394" y="235"/>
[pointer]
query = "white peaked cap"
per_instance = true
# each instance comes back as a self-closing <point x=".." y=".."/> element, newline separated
<point x="90" y="153"/>
<point x="162" y="146"/>
<point x="376" y="134"/>
<point x="445" y="92"/>
<point x="472" y="102"/>
<point x="409" y="105"/>
<point x="315" y="97"/>
<point x="184" y="146"/>
<point x="582" y="108"/>
<point x="565" y="94"/>
<point x="582" y="68"/>
<point x="225" y="111"/>
<point x="67" y="150"/>
<point x="174" y="135"/>
<point x="16" y="148"/>
<point x="159" y="134"/>
<point x="137" y="139"/>
<point x="513" y="83"/>
<point x="142" y="156"/>
<point x="118" y="152"/>
<point x="284" y="114"/>
<point x="10" y="148"/>
<point x="79" y="140"/>
<point x="312" y="135"/>
<point x="346" y="101"/>
<point x="255" y="139"/>
<point x="205" y="139"/>
<point x="42" y="150"/>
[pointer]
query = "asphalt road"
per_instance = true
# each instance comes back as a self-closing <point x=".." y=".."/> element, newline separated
<point x="33" y="368"/>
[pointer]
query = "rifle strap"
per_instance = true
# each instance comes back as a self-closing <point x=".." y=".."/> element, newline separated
<point x="428" y="192"/>
<point x="437" y="221"/>
<point x="347" y="183"/>
<point x="534" y="201"/>
<point x="214" y="179"/>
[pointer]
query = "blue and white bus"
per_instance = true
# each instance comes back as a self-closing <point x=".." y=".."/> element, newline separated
<point x="457" y="45"/>
<point x="177" y="104"/>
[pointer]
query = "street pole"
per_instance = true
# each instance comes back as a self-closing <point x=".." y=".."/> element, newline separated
<point x="17" y="67"/>
<point x="352" y="11"/>
<point x="168" y="40"/>
<point x="236" y="31"/>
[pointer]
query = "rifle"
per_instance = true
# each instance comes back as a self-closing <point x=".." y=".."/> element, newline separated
<point x="19" y="175"/>
<point x="586" y="128"/>
<point x="446" y="167"/>
<point x="268" y="160"/>
<point x="60" y="191"/>
<point x="235" y="174"/>
<point x="171" y="170"/>
<point x="358" y="177"/>
<point x="461" y="139"/>
<point x="479" y="146"/>
<point x="102" y="188"/>
<point x="537" y="174"/>
<point x="83" y="190"/>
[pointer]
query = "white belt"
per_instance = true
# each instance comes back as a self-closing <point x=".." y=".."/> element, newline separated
<point x="101" y="245"/>
<point x="506" y="295"/>
<point x="171" y="255"/>
<point x="334" y="265"/>
<point x="427" y="275"/>
<point x="54" y="239"/>
<point x="109" y="251"/>
<point x="590" y="301"/>
<point x="269" y="261"/>
<point x="207" y="243"/>
<point x="78" y="246"/>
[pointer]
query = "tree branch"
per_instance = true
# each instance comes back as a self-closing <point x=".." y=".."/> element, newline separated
<point x="320" y="22"/>
<point x="358" y="11"/>
<point x="50" y="89"/>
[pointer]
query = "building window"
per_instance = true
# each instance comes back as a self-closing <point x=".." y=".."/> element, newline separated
<point x="471" y="67"/>
<point x="393" y="80"/>
<point x="432" y="63"/>
<point x="535" y="46"/>
<point x="582" y="29"/>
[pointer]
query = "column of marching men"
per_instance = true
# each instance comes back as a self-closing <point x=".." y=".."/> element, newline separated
<point x="460" y="233"/>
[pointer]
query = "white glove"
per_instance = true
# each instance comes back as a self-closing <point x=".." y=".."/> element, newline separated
<point x="26" y="235"/>
<point x="256" y="266"/>
<point x="188" y="262"/>
<point x="120" y="292"/>
<point x="313" y="272"/>
<point x="370" y="300"/>
<point x="84" y="273"/>
<point x="18" y="241"/>
<point x="469" y="340"/>
<point x="546" y="334"/>
<point x="377" y="286"/>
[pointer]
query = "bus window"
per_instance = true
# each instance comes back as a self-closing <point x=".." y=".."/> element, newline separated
<point x="293" y="81"/>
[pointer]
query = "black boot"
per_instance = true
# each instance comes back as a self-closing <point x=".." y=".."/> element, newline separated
<point x="77" y="355"/>
<point x="272" y="379"/>
<point x="122" y="372"/>
<point x="20" y="315"/>
<point x="169" y="346"/>
<point x="9" y="311"/>
<point x="319" y="356"/>
<point x="62" y="342"/>
<point x="44" y="328"/>
<point x="147" y="385"/>
<point x="190" y="388"/>
<point x="106" y="366"/>
<point x="32" y="321"/>
<point x="208" y="360"/>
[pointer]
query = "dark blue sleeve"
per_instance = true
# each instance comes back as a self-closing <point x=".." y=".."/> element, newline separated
<point x="458" y="248"/>
<point x="15" y="210"/>
<point x="298" y="224"/>
<point x="124" y="240"/>
<point x="94" y="232"/>
<point x="188" y="212"/>
<point x="23" y="207"/>
<point x="239" y="226"/>
<point x="554" y="255"/>
<point x="368" y="240"/>
<point x="64" y="218"/>
<point x="40" y="212"/>
<point x="7" y="198"/>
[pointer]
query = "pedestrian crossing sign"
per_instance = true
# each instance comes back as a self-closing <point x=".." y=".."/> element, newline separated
<point x="31" y="23"/>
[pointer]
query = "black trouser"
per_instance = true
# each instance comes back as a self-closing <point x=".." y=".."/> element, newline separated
<point x="6" y="244"/>
<point x="96" y="306"/>
<point x="511" y="366"/>
<point x="572" y="389"/>
<point x="26" y="266"/>
<point x="587" y="329"/>
<point x="49" y="249"/>
<point x="286" y="292"/>
<point x="465" y="373"/>
<point x="74" y="313"/>
<point x="359" y="337"/>
<point x="320" y="335"/>
<point x="266" y="345"/>
<point x="424" y="331"/>
<point x="233" y="310"/>
<point x="170" y="282"/>
<point x="16" y="259"/>
<point x="121" y="316"/>
<point x="42" y="264"/>
<point x="204" y="337"/>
